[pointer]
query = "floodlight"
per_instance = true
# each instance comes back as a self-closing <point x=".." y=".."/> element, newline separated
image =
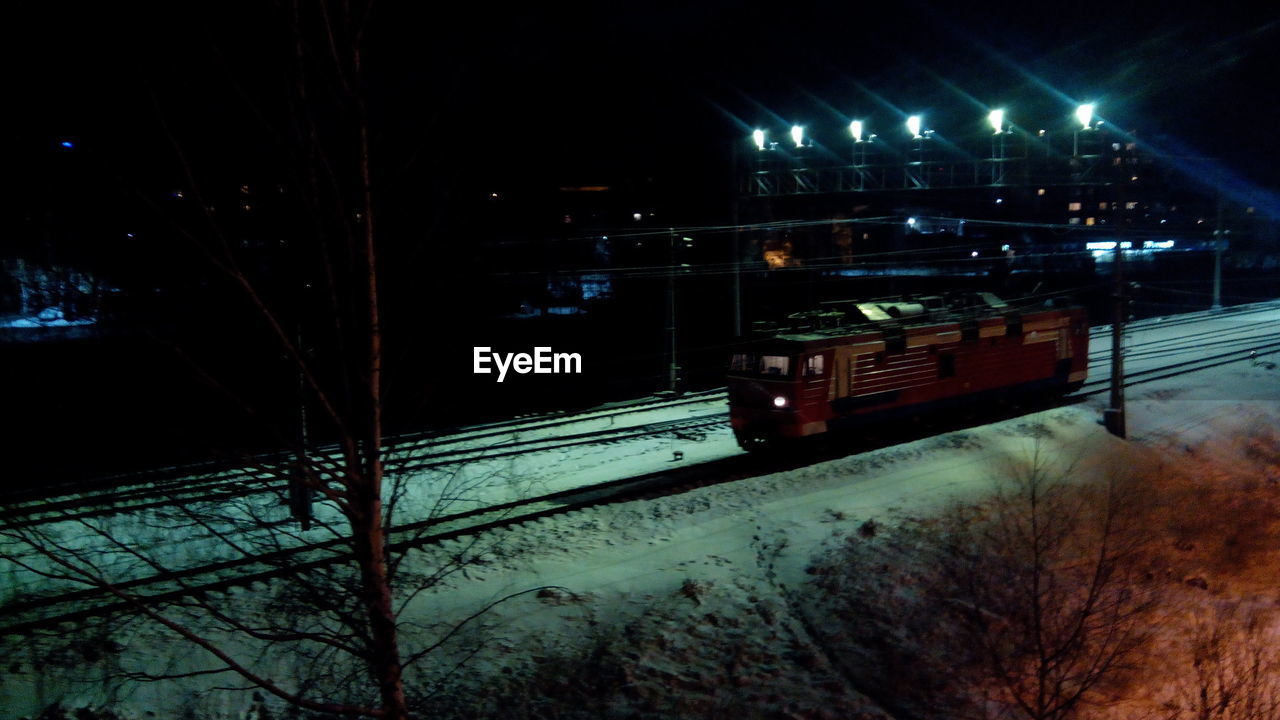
<point x="797" y="135"/>
<point x="758" y="137"/>
<point x="1084" y="114"/>
<point x="855" y="128"/>
<point x="913" y="125"/>
<point x="996" y="118"/>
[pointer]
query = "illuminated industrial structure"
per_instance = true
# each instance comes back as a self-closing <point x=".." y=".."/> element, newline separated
<point x="1013" y="191"/>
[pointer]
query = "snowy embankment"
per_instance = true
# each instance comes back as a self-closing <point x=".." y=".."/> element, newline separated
<point x="705" y="604"/>
<point x="703" y="596"/>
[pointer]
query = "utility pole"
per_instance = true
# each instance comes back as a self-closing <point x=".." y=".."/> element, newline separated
<point x="301" y="496"/>
<point x="673" y="370"/>
<point x="1113" y="417"/>
<point x="1218" y="242"/>
<point x="737" y="241"/>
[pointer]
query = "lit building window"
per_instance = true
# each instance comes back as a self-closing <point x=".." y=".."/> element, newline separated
<point x="1089" y="221"/>
<point x="1102" y="206"/>
<point x="1073" y="207"/>
<point x="1040" y="191"/>
<point x="1131" y="205"/>
<point x="1073" y="221"/>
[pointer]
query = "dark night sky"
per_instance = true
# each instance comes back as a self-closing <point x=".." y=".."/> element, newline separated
<point x="571" y="93"/>
<point x="486" y="95"/>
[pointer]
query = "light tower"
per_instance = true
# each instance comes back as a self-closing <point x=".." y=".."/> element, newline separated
<point x="920" y="177"/>
<point x="763" y="182"/>
<point x="801" y="179"/>
<point x="996" y="118"/>
<point x="1084" y="114"/>
<point x="861" y="142"/>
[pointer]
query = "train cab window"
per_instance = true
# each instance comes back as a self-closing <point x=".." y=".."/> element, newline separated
<point x="742" y="362"/>
<point x="813" y="365"/>
<point x="775" y="365"/>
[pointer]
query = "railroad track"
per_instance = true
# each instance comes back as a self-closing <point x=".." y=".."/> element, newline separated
<point x="1138" y="377"/>
<point x="215" y="480"/>
<point x="41" y="613"/>
<point x="1214" y="347"/>
<point x="424" y="451"/>
<point x="498" y="440"/>
<point x="1166" y="321"/>
<point x="507" y="438"/>
<point x="237" y="485"/>
<point x="1216" y="338"/>
<point x="35" y="613"/>
<point x="196" y="475"/>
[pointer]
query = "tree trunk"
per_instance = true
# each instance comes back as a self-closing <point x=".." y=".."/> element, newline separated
<point x="384" y="647"/>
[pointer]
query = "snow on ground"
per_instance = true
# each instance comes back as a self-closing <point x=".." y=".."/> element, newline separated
<point x="734" y="551"/>
<point x="702" y="586"/>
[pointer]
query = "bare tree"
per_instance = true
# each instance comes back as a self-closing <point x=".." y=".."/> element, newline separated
<point x="341" y="619"/>
<point x="1044" y="580"/>
<point x="1235" y="670"/>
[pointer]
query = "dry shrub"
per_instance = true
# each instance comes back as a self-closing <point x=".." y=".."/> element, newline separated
<point x="1031" y="603"/>
<point x="1233" y="668"/>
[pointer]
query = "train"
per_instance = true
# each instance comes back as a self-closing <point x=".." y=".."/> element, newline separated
<point x="859" y="363"/>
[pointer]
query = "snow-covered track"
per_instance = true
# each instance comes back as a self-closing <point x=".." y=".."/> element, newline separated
<point x="238" y="485"/>
<point x="42" y="613"/>
<point x="1161" y="372"/>
<point x="1189" y="318"/>
<point x="550" y="420"/>
<point x="190" y="479"/>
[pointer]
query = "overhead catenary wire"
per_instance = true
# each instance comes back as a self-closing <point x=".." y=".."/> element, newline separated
<point x="918" y="256"/>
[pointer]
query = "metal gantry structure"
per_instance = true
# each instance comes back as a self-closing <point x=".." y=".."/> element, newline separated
<point x="920" y="159"/>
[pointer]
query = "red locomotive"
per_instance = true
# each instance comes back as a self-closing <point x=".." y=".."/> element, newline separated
<point x="855" y="363"/>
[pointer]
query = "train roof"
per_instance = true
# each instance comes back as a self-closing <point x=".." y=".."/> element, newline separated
<point x="838" y="322"/>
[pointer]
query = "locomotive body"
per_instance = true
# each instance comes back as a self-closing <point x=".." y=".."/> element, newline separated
<point x="861" y="363"/>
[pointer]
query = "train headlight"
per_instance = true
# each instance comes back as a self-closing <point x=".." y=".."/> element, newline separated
<point x="779" y="401"/>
